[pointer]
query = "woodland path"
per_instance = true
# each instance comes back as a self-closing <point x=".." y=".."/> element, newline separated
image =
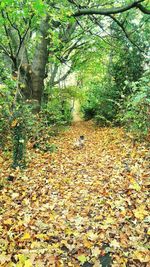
<point x="76" y="112"/>
<point x="61" y="209"/>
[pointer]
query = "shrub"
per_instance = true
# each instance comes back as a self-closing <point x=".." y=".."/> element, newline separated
<point x="57" y="110"/>
<point x="5" y="114"/>
<point x="21" y="129"/>
<point x="101" y="104"/>
<point x="136" y="114"/>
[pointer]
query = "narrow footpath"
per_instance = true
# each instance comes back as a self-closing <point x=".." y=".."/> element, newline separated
<point x="67" y="206"/>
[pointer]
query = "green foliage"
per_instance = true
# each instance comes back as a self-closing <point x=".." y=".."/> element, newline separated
<point x="101" y="103"/>
<point x="136" y="114"/>
<point x="57" y="113"/>
<point x="50" y="147"/>
<point x="21" y="127"/>
<point x="57" y="110"/>
<point x="90" y="105"/>
<point x="127" y="65"/>
<point x="5" y="114"/>
<point x="19" y="139"/>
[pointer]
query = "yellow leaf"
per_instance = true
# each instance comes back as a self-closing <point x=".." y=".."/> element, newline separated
<point x="34" y="197"/>
<point x="1" y="160"/>
<point x="4" y="258"/>
<point x="134" y="185"/>
<point x="95" y="252"/>
<point x="40" y="236"/>
<point x="27" y="219"/>
<point x="68" y="231"/>
<point x="28" y="263"/>
<point x="142" y="255"/>
<point x="36" y="244"/>
<point x="87" y="243"/>
<point x="92" y="236"/>
<point x="115" y="244"/>
<point x="148" y="231"/>
<point x="19" y="264"/>
<point x="70" y="264"/>
<point x="109" y="221"/>
<point x="8" y="221"/>
<point x="2" y="86"/>
<point x="22" y="258"/>
<point x="14" y="123"/>
<point x="26" y="236"/>
<point x="20" y="223"/>
<point x="140" y="212"/>
<point x="22" y="85"/>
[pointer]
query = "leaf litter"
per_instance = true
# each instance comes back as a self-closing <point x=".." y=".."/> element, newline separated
<point x="66" y="205"/>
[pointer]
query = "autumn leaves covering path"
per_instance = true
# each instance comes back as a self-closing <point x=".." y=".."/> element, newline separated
<point x="67" y="204"/>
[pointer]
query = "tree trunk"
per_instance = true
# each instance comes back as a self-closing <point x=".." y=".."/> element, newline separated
<point x="32" y="76"/>
<point x="39" y="64"/>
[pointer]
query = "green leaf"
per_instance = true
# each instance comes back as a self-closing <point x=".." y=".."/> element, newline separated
<point x="3" y="4"/>
<point x="82" y="258"/>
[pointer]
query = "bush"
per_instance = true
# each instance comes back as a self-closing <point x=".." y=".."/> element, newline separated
<point x="101" y="104"/>
<point x="136" y="114"/>
<point x="89" y="110"/>
<point x="57" y="110"/>
<point x="101" y="120"/>
<point x="21" y="129"/>
<point x="5" y="114"/>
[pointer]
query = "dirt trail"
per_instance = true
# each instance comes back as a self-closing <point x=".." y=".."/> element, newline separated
<point x="61" y="209"/>
<point x="77" y="116"/>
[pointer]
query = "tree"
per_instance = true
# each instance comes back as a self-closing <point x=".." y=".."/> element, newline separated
<point x="31" y="33"/>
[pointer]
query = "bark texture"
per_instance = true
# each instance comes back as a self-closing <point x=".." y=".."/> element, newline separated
<point x="37" y="72"/>
<point x="31" y="76"/>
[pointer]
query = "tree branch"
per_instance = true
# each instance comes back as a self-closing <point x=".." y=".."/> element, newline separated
<point x="94" y="34"/>
<point x="63" y="77"/>
<point x="24" y="36"/>
<point x="13" y="26"/>
<point x="74" y="3"/>
<point x="11" y="55"/>
<point x="95" y="21"/>
<point x="125" y="32"/>
<point x="108" y="11"/>
<point x="5" y="50"/>
<point x="53" y="75"/>
<point x="73" y="46"/>
<point x="143" y="9"/>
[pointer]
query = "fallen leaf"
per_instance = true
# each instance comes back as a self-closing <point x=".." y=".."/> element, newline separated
<point x="142" y="255"/>
<point x="82" y="258"/>
<point x="26" y="236"/>
<point x="8" y="221"/>
<point x="4" y="258"/>
<point x="95" y="252"/>
<point x="28" y="263"/>
<point x="140" y="212"/>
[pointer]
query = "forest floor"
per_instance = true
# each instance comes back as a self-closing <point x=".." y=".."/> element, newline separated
<point x="77" y="207"/>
